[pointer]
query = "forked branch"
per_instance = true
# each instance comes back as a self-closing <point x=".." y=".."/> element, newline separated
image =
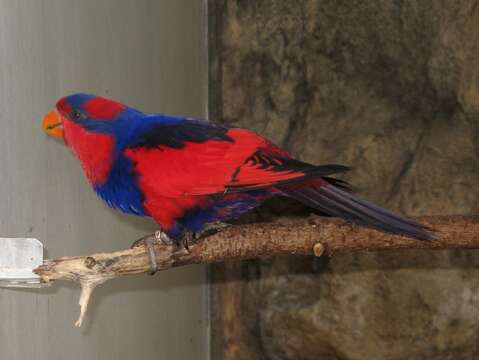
<point x="313" y="236"/>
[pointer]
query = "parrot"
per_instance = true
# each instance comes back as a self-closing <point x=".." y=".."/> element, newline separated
<point x="189" y="174"/>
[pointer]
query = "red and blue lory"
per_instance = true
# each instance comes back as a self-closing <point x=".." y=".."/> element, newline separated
<point x="188" y="173"/>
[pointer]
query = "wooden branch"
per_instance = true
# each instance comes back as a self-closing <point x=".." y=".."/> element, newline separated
<point x="313" y="236"/>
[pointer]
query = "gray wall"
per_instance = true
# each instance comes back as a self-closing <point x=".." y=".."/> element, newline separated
<point x="150" y="54"/>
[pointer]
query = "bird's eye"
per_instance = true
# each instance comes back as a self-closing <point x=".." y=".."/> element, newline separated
<point x="75" y="115"/>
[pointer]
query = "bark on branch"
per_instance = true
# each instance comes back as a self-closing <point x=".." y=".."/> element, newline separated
<point x="313" y="236"/>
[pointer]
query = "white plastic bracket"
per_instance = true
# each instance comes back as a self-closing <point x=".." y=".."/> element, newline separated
<point x="18" y="258"/>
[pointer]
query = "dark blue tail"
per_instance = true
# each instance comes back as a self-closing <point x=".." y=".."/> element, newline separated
<point x="336" y="202"/>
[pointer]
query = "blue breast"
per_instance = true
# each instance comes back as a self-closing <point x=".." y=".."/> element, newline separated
<point x="121" y="190"/>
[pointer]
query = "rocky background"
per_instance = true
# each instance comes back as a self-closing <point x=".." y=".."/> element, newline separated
<point x="390" y="87"/>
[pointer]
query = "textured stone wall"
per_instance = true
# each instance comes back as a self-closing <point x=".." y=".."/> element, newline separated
<point x="391" y="88"/>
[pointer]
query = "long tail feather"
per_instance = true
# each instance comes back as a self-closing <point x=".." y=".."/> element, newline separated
<point x="334" y="201"/>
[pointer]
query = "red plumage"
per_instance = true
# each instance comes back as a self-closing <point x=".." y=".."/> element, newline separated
<point x="94" y="150"/>
<point x="101" y="108"/>
<point x="207" y="168"/>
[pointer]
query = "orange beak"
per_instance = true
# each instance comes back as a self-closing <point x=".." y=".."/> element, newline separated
<point x="52" y="124"/>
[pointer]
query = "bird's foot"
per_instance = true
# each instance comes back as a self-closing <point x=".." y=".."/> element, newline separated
<point x="191" y="237"/>
<point x="149" y="243"/>
<point x="161" y="236"/>
<point x="187" y="239"/>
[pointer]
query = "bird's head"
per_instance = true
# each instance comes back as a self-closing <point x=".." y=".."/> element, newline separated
<point x="93" y="127"/>
<point x="82" y="112"/>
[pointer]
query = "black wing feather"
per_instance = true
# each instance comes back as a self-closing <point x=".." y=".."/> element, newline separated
<point x="175" y="132"/>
